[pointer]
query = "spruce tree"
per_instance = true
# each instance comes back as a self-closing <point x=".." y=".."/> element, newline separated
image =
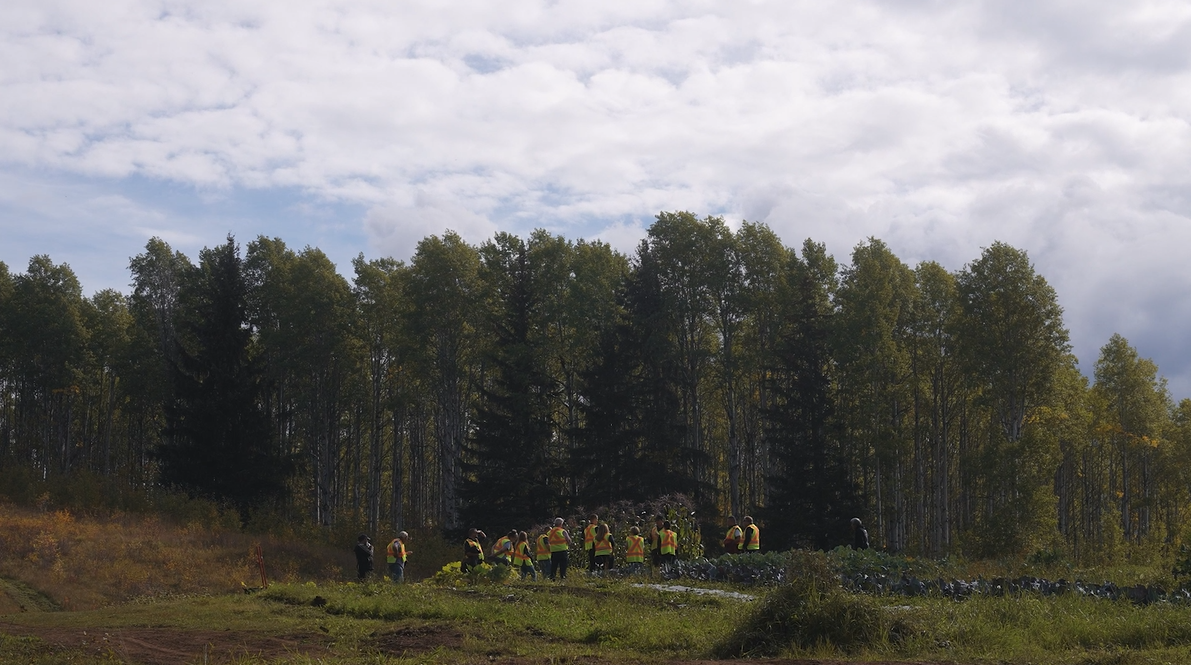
<point x="665" y="462"/>
<point x="508" y="468"/>
<point x="605" y="461"/>
<point x="218" y="442"/>
<point x="811" y="496"/>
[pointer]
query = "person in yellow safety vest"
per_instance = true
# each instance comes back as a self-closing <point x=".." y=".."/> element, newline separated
<point x="522" y="558"/>
<point x="602" y="546"/>
<point x="752" y="535"/>
<point x="473" y="551"/>
<point x="655" y="541"/>
<point x="395" y="556"/>
<point x="634" y="553"/>
<point x="589" y="531"/>
<point x="734" y="539"/>
<point x="669" y="546"/>
<point x="502" y="550"/>
<point x="560" y="545"/>
<point x="543" y="553"/>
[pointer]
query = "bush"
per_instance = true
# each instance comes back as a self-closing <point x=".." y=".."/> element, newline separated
<point x="810" y="612"/>
<point x="452" y="575"/>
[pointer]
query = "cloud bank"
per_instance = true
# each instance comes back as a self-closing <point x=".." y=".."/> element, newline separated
<point x="1059" y="127"/>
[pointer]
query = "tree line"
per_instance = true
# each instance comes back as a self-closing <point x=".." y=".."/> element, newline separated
<point x="503" y="383"/>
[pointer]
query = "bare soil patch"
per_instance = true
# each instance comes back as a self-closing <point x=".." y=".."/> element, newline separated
<point x="416" y="639"/>
<point x="168" y="646"/>
<point x="595" y="660"/>
<point x="786" y="661"/>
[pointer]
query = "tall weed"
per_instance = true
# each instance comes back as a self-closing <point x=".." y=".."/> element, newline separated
<point x="811" y="612"/>
<point x="87" y="562"/>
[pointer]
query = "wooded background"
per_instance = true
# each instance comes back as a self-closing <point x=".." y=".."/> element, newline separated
<point x="500" y="384"/>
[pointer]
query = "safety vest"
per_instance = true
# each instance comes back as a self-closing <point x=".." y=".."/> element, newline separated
<point x="543" y="547"/>
<point x="521" y="555"/>
<point x="498" y="549"/>
<point x="655" y="539"/>
<point x="669" y="542"/>
<point x="603" y="546"/>
<point x="558" y="539"/>
<point x="391" y="551"/>
<point x="752" y="537"/>
<point x="635" y="552"/>
<point x="589" y="536"/>
<point x="473" y="546"/>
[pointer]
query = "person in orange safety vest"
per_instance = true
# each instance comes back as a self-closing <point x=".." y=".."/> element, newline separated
<point x="655" y="541"/>
<point x="634" y="553"/>
<point x="560" y="545"/>
<point x="396" y="555"/>
<point x="752" y="535"/>
<point x="589" y="531"/>
<point x="502" y="549"/>
<point x="543" y="552"/>
<point x="602" y="546"/>
<point x="669" y="547"/>
<point x="734" y="539"/>
<point x="473" y="550"/>
<point x="523" y="557"/>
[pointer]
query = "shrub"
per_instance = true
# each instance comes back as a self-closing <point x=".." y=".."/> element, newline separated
<point x="810" y="612"/>
<point x="452" y="575"/>
<point x="93" y="561"/>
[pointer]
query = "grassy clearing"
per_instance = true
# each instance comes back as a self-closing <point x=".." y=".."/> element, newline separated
<point x="1058" y="630"/>
<point x="62" y="576"/>
<point x="613" y="621"/>
<point x="578" y="617"/>
<point x="1051" y="630"/>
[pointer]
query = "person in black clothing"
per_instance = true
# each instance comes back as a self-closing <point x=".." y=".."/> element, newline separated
<point x="859" y="535"/>
<point x="473" y="550"/>
<point x="363" y="556"/>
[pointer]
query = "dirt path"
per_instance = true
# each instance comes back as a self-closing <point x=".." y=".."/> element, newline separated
<point x="169" y="646"/>
<point x="165" y="646"/>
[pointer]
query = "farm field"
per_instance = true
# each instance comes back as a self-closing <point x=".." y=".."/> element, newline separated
<point x="100" y="594"/>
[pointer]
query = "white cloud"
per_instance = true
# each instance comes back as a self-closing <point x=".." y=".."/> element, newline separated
<point x="394" y="230"/>
<point x="1060" y="127"/>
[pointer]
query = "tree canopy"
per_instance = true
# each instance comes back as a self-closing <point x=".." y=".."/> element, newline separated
<point x="497" y="385"/>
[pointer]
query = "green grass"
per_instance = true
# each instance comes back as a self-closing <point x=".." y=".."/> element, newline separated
<point x="579" y="617"/>
<point x="612" y="621"/>
<point x="1066" y="629"/>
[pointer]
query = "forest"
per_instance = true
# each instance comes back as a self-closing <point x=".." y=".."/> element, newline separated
<point x="501" y="384"/>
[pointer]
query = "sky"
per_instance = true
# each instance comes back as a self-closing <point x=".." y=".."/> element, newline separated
<point x="1059" y="127"/>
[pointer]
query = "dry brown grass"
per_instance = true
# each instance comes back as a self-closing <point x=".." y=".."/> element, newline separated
<point x="84" y="562"/>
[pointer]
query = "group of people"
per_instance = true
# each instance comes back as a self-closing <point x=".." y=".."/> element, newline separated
<point x="396" y="555"/>
<point x="742" y="538"/>
<point x="550" y="550"/>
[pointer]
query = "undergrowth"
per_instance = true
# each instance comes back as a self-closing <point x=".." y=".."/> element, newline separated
<point x="52" y="560"/>
<point x="85" y="563"/>
<point x="812" y="612"/>
<point x="581" y="616"/>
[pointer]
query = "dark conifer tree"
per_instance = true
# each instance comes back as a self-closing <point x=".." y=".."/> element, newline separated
<point x="632" y="444"/>
<point x="604" y="460"/>
<point x="811" y="496"/>
<point x="218" y="442"/>
<point x="665" y="462"/>
<point x="507" y="468"/>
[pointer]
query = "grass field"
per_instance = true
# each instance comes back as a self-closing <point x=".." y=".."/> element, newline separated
<point x="89" y="590"/>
